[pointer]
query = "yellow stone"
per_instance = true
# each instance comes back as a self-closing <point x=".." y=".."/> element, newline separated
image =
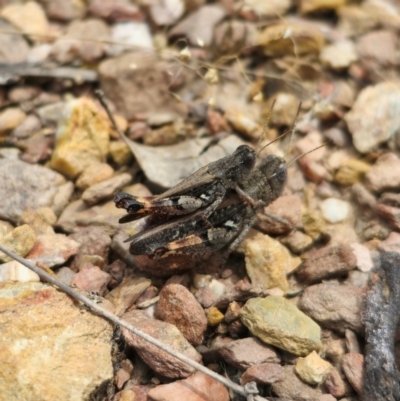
<point x="314" y="225"/>
<point x="29" y="17"/>
<point x="312" y="369"/>
<point x="214" y="316"/>
<point x="120" y="153"/>
<point x="243" y="123"/>
<point x="276" y="321"/>
<point x="268" y="262"/>
<point x="37" y="221"/>
<point x="95" y="173"/>
<point x="82" y="138"/>
<point x="11" y="118"/>
<point x="351" y="172"/>
<point x="20" y="240"/>
<point x="46" y="342"/>
<point x="290" y="39"/>
<point x="309" y="6"/>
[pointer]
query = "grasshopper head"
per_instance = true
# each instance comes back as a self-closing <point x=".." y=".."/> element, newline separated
<point x="128" y="202"/>
<point x="274" y="168"/>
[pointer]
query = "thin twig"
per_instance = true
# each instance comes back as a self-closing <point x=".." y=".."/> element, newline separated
<point x="117" y="320"/>
<point x="100" y="95"/>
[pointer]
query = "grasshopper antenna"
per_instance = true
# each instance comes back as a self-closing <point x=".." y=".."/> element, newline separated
<point x="266" y="125"/>
<point x="294" y="129"/>
<point x="306" y="153"/>
<point x="100" y="95"/>
<point x="276" y="139"/>
<point x="284" y="134"/>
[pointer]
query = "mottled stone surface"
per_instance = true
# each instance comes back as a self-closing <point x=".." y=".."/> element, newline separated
<point x="371" y="129"/>
<point x="383" y="174"/>
<point x="353" y="368"/>
<point x="52" y="349"/>
<point x="264" y="373"/>
<point x="25" y="186"/>
<point x="327" y="262"/>
<point x="292" y="387"/>
<point x="198" y="387"/>
<point x="268" y="262"/>
<point x="336" y="307"/>
<point x="178" y="306"/>
<point x="82" y="138"/>
<point x="161" y="362"/>
<point x="247" y="352"/>
<point x="127" y="292"/>
<point x="278" y="322"/>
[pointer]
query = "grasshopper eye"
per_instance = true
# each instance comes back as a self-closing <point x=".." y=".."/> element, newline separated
<point x="134" y="207"/>
<point x="281" y="172"/>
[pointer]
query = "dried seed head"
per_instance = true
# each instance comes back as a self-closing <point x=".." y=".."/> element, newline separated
<point x="211" y="76"/>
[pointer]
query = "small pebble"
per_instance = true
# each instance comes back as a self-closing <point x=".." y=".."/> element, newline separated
<point x="340" y="55"/>
<point x="105" y="189"/>
<point x="10" y="118"/>
<point x="94" y="174"/>
<point x="214" y="316"/>
<point x="312" y="369"/>
<point x="335" y="210"/>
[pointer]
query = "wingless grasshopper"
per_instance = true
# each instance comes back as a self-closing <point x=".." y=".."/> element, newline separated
<point x="228" y="225"/>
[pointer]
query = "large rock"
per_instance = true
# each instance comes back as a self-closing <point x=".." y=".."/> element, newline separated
<point x="50" y="348"/>
<point x="82" y="138"/>
<point x="292" y="387"/>
<point x="333" y="306"/>
<point x="374" y="117"/>
<point x="247" y="352"/>
<point x="162" y="363"/>
<point x="331" y="261"/>
<point x="198" y="387"/>
<point x="384" y="174"/>
<point x="178" y="306"/>
<point x="25" y="186"/>
<point x="278" y="322"/>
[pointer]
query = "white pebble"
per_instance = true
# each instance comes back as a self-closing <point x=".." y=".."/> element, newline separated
<point x="132" y="35"/>
<point x="15" y="271"/>
<point x="335" y="210"/>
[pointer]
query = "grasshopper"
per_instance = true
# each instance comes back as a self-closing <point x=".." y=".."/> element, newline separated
<point x="228" y="225"/>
